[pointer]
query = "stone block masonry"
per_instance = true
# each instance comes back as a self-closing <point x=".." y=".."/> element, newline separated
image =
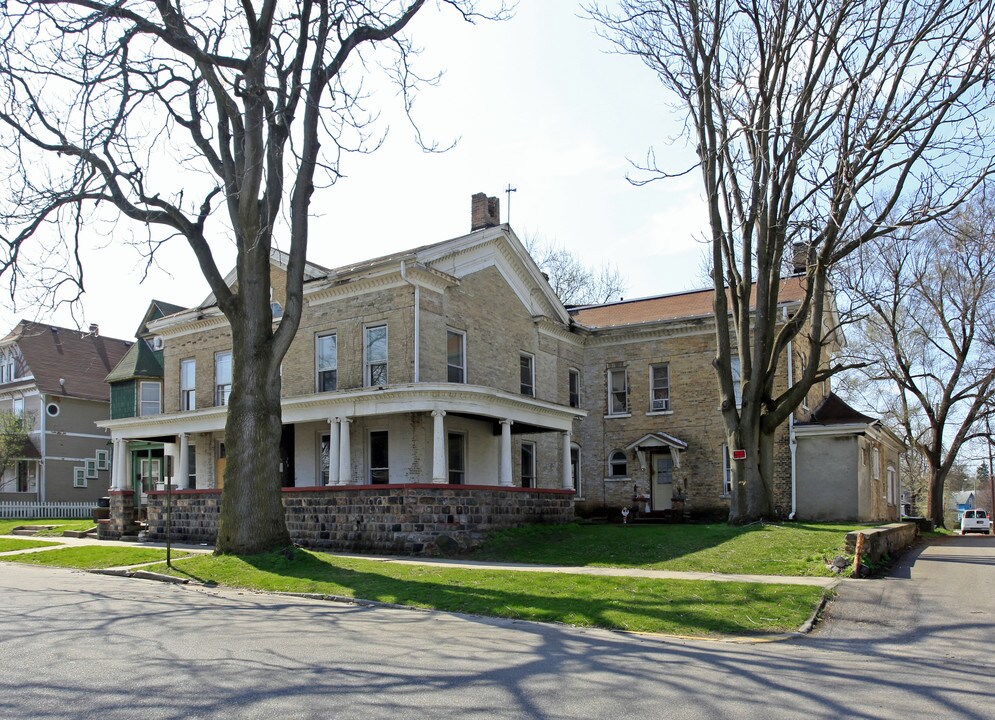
<point x="415" y="519"/>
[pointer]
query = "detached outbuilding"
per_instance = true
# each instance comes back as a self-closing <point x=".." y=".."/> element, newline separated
<point x="847" y="465"/>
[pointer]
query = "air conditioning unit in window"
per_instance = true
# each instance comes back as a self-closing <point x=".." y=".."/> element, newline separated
<point x="661" y="405"/>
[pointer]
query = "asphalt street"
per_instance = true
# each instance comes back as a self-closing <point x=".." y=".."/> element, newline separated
<point x="917" y="644"/>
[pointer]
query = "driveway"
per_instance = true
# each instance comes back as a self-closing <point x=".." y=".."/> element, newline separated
<point x="75" y="644"/>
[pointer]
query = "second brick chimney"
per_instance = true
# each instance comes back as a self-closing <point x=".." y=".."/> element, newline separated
<point x="485" y="212"/>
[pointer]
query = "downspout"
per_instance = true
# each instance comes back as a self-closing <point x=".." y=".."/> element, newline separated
<point x="792" y="441"/>
<point x="41" y="466"/>
<point x="417" y="313"/>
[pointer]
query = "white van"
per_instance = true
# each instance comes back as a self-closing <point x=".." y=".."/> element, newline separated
<point x="975" y="521"/>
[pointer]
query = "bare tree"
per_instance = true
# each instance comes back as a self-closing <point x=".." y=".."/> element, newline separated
<point x="574" y="282"/>
<point x="929" y="332"/>
<point x="209" y="121"/>
<point x="818" y="126"/>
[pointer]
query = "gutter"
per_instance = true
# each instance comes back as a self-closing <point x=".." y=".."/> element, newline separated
<point x="417" y="313"/>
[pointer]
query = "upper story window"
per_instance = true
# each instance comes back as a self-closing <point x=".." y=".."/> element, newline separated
<point x="618" y="392"/>
<point x="573" y="388"/>
<point x="618" y="466"/>
<point x="150" y="399"/>
<point x="875" y="463"/>
<point x="455" y="356"/>
<point x="526" y="363"/>
<point x="659" y="387"/>
<point x="326" y="362"/>
<point x="188" y="384"/>
<point x="222" y="377"/>
<point x="737" y="380"/>
<point x="375" y="351"/>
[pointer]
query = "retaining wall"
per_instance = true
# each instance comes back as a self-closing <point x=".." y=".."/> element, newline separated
<point x="885" y="539"/>
<point x="398" y="519"/>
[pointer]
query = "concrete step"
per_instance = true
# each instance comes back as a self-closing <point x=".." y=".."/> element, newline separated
<point x="79" y="533"/>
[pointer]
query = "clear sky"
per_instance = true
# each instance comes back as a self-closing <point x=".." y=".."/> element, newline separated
<point x="539" y="102"/>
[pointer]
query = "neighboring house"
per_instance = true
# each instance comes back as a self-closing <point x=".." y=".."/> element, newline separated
<point x="455" y="363"/>
<point x="961" y="501"/>
<point x="136" y="386"/>
<point x="54" y="378"/>
<point x="835" y="445"/>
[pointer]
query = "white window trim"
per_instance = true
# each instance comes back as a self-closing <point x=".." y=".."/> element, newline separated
<point x="367" y="375"/>
<point x="319" y="478"/>
<point x="876" y="464"/>
<point x="727" y="472"/>
<point x="462" y="336"/>
<point x="535" y="465"/>
<point x="736" y="369"/>
<point x="217" y="385"/>
<point x="102" y="457"/>
<point x="192" y="390"/>
<point x="609" y="473"/>
<point x="79" y="477"/>
<point x="141" y="402"/>
<point x="575" y="472"/>
<point x="90" y="467"/>
<point x="890" y="479"/>
<point x="625" y="375"/>
<point x="668" y="408"/>
<point x="532" y="372"/>
<point x="17" y="407"/>
<point x="318" y="370"/>
<point x="572" y="373"/>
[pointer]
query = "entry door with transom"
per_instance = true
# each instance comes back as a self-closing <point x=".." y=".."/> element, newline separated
<point x="663" y="481"/>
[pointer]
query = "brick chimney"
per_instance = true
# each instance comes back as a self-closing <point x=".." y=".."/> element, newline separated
<point x="485" y="212"/>
<point x="94" y="329"/>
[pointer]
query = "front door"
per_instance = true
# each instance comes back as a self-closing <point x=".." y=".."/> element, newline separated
<point x="663" y="481"/>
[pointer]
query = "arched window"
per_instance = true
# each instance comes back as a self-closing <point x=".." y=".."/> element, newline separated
<point x="617" y="465"/>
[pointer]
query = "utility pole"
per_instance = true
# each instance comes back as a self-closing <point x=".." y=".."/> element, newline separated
<point x="991" y="480"/>
<point x="508" y="191"/>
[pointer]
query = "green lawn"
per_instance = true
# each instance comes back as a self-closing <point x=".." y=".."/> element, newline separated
<point x="90" y="557"/>
<point x="61" y="524"/>
<point x="789" y="549"/>
<point x="12" y="544"/>
<point x="673" y="607"/>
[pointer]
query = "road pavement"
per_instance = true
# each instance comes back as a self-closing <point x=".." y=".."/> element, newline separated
<point x="915" y="645"/>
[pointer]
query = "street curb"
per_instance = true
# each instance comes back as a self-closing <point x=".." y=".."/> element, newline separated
<point x="807" y="626"/>
<point x="141" y="575"/>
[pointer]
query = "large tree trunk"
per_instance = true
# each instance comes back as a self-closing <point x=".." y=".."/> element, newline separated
<point x="252" y="519"/>
<point x="752" y="498"/>
<point x="934" y="501"/>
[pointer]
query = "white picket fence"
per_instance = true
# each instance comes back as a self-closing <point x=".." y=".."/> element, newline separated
<point x="30" y="510"/>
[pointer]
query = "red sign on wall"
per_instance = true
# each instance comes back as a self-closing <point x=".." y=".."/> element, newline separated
<point x="739" y="454"/>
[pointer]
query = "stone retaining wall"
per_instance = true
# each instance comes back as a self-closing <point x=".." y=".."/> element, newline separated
<point x="884" y="540"/>
<point x="120" y="515"/>
<point x="400" y="519"/>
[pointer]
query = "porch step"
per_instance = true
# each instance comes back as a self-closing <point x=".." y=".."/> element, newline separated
<point x="30" y="529"/>
<point x="79" y="533"/>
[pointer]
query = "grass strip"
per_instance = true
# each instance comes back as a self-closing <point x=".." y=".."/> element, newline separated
<point x="90" y="558"/>
<point x="6" y="526"/>
<point x="7" y="544"/>
<point x="677" y="607"/>
<point x="797" y="549"/>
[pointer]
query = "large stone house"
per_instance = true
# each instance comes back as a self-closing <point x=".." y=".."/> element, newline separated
<point x="455" y="364"/>
<point x="53" y="378"/>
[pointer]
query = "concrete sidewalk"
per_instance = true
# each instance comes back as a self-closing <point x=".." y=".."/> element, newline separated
<point x="824" y="582"/>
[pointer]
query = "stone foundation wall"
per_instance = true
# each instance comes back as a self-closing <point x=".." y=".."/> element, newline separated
<point x="404" y="519"/>
<point x="120" y="516"/>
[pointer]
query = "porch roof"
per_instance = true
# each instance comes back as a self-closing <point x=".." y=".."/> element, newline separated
<point x="475" y="400"/>
<point x="657" y="439"/>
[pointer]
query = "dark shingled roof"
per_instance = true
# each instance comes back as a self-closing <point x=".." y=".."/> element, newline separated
<point x="82" y="359"/>
<point x="833" y="411"/>
<point x="139" y="362"/>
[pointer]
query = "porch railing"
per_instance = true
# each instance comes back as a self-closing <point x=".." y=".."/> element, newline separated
<point x="14" y="509"/>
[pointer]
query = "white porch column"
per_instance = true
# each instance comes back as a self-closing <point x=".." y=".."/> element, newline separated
<point x="333" y="451"/>
<point x="117" y="466"/>
<point x="506" y="453"/>
<point x="568" y="483"/>
<point x="438" y="447"/>
<point x="345" y="457"/>
<point x="181" y="475"/>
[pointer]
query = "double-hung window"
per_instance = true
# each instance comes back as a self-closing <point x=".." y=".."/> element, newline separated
<point x="222" y="377"/>
<point x="457" y="458"/>
<point x="326" y="361"/>
<point x="875" y="463"/>
<point x="151" y="399"/>
<point x="375" y="351"/>
<point x="528" y="464"/>
<point x="575" y="469"/>
<point x="659" y="388"/>
<point x="17" y="407"/>
<point x="379" y="463"/>
<point x="188" y="384"/>
<point x="527" y="374"/>
<point x="726" y="471"/>
<point x="455" y="356"/>
<point x="618" y="392"/>
<point x="573" y="388"/>
<point x="737" y="380"/>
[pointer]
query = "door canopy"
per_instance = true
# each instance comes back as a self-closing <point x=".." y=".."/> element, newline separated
<point x="657" y="441"/>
